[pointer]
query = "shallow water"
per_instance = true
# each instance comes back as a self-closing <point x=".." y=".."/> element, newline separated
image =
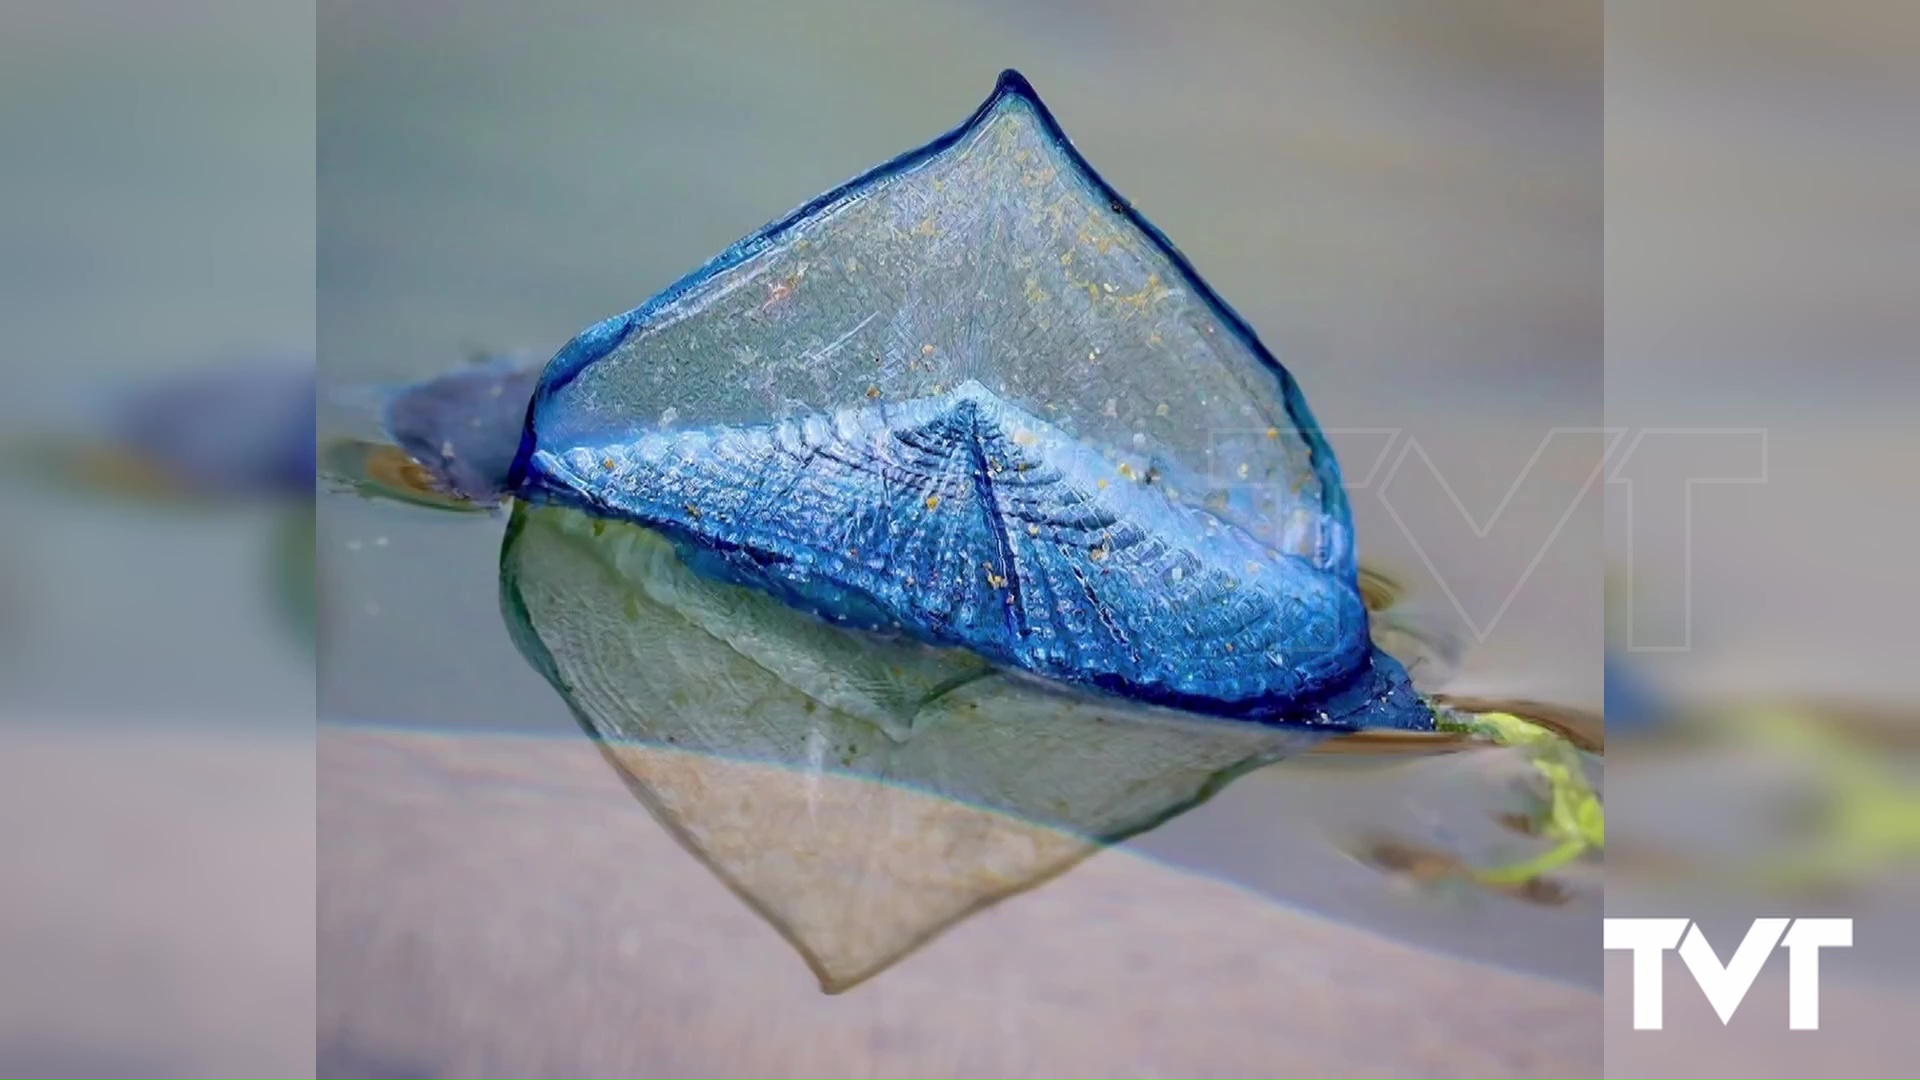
<point x="851" y="867"/>
<point x="1421" y="252"/>
<point x="498" y="906"/>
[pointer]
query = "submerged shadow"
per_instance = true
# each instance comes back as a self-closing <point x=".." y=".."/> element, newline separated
<point x="861" y="792"/>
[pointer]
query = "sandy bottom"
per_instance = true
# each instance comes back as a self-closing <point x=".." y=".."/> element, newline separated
<point x="496" y="906"/>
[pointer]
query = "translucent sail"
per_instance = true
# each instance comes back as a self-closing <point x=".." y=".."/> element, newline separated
<point x="896" y="787"/>
<point x="832" y="383"/>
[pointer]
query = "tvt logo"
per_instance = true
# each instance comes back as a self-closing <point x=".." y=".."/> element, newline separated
<point x="1726" y="985"/>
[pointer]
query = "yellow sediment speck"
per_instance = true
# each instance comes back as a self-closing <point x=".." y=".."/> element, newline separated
<point x="873" y="391"/>
<point x="933" y="502"/>
<point x="606" y="463"/>
<point x="1148" y="295"/>
<point x="1103" y="483"/>
<point x="1273" y="433"/>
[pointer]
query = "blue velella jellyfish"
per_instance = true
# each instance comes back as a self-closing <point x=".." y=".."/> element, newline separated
<point x="973" y="398"/>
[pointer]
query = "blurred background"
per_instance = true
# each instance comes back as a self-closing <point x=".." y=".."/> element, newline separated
<point x="1765" y="714"/>
<point x="156" y="676"/>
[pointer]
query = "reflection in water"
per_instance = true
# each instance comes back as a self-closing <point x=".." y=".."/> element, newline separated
<point x="915" y="785"/>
